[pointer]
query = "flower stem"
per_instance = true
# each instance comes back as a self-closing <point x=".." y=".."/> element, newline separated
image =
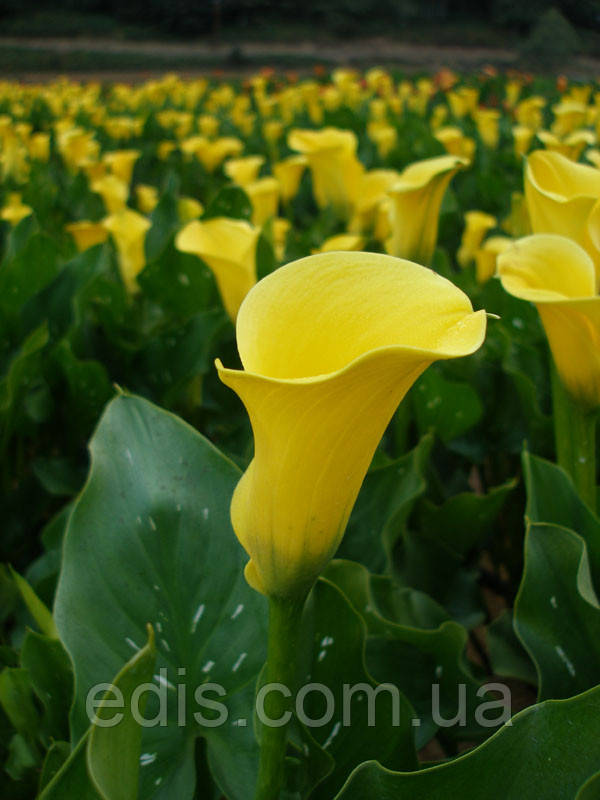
<point x="284" y="631"/>
<point x="575" y="438"/>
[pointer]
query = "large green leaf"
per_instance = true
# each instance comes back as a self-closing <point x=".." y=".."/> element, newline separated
<point x="557" y="616"/>
<point x="334" y="659"/>
<point x="415" y="645"/>
<point x="546" y="754"/>
<point x="150" y="541"/>
<point x="105" y="763"/>
<point x="552" y="497"/>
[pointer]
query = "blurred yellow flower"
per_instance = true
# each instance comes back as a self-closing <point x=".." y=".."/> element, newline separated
<point x="128" y="230"/>
<point x="562" y="197"/>
<point x="121" y="163"/>
<point x="147" y="197"/>
<point x="15" y="210"/>
<point x="188" y="208"/>
<point x="264" y="196"/>
<point x="289" y="174"/>
<point x="228" y="248"/>
<point x="243" y="170"/>
<point x="455" y="142"/>
<point x="558" y="276"/>
<point x="477" y="224"/>
<point x="415" y="207"/>
<point x="87" y="233"/>
<point x="342" y="241"/>
<point x="335" y="169"/>
<point x="486" y="257"/>
<point x="330" y="345"/>
<point x="114" y="192"/>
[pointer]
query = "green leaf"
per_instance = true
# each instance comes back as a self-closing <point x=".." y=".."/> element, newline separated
<point x="447" y="407"/>
<point x="113" y="753"/>
<point x="557" y="616"/>
<point x="230" y="201"/>
<point x="105" y="763"/>
<point x="507" y="655"/>
<point x="17" y="701"/>
<point x="37" y="609"/>
<point x="51" y="676"/>
<point x="539" y="755"/>
<point x="165" y="221"/>
<point x="56" y="756"/>
<point x="34" y="266"/>
<point x="179" y="282"/>
<point x="590" y="789"/>
<point x="414" y="644"/>
<point x="72" y="779"/>
<point x="150" y="541"/>
<point x="464" y="520"/>
<point x="552" y="497"/>
<point x="335" y="647"/>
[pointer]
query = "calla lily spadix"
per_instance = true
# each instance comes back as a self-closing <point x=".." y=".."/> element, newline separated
<point x="558" y="276"/>
<point x="415" y="208"/>
<point x="330" y="344"/>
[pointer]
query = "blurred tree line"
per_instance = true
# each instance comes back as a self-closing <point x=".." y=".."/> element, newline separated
<point x="206" y="17"/>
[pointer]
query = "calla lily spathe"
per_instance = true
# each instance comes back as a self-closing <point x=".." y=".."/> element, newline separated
<point x="563" y="198"/>
<point x="335" y="169"/>
<point x="330" y="345"/>
<point x="228" y="248"/>
<point x="128" y="230"/>
<point x="558" y="276"/>
<point x="415" y="208"/>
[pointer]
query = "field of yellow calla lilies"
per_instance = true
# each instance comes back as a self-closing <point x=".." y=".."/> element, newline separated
<point x="299" y="378"/>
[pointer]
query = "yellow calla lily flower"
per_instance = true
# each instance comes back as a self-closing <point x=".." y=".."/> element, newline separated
<point x="570" y="146"/>
<point x="228" y="247"/>
<point x="281" y="228"/>
<point x="188" y="208"/>
<point x="342" y="241"/>
<point x="330" y="345"/>
<point x="128" y="230"/>
<point x="455" y="142"/>
<point x="15" y="210"/>
<point x="87" y="233"/>
<point x="486" y="257"/>
<point x="114" y="192"/>
<point x="373" y="189"/>
<point x="335" y="169"/>
<point x="289" y="174"/>
<point x="561" y="196"/>
<point x="264" y="196"/>
<point x="487" y="121"/>
<point x="147" y="197"/>
<point x="243" y="170"/>
<point x="416" y="200"/>
<point x="558" y="276"/>
<point x="522" y="136"/>
<point x="477" y="224"/>
<point x="121" y="163"/>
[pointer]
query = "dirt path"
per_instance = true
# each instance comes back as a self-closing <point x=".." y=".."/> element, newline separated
<point x="362" y="52"/>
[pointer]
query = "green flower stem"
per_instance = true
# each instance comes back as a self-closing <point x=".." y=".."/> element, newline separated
<point x="284" y="632"/>
<point x="575" y="437"/>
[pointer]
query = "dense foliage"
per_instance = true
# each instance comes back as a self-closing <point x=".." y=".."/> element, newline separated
<point x="109" y="325"/>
